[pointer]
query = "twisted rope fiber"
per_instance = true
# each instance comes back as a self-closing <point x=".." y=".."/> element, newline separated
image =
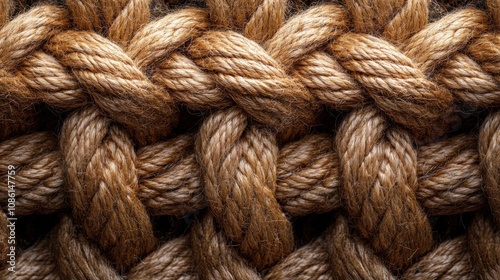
<point x="265" y="139"/>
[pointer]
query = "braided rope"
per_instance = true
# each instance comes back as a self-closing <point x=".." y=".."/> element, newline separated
<point x="265" y="139"/>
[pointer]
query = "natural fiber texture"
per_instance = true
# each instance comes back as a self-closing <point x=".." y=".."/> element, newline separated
<point x="252" y="139"/>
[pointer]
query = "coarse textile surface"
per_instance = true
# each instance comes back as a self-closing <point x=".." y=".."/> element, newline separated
<point x="250" y="139"/>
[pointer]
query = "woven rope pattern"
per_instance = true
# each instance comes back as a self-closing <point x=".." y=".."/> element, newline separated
<point x="251" y="139"/>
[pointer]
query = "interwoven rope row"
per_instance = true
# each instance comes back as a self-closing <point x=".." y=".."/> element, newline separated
<point x="371" y="121"/>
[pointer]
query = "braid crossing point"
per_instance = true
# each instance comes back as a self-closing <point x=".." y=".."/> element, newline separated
<point x="257" y="139"/>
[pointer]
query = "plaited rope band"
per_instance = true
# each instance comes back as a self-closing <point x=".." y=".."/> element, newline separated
<point x="261" y="139"/>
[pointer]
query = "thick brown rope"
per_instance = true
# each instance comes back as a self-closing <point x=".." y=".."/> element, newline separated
<point x="106" y="168"/>
<point x="240" y="180"/>
<point x="489" y="151"/>
<point x="308" y="180"/>
<point x="379" y="200"/>
<point x="265" y="139"/>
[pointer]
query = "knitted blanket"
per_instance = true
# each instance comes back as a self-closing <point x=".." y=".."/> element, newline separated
<point x="250" y="139"/>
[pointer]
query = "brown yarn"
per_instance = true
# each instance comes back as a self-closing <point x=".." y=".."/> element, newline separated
<point x="264" y="139"/>
<point x="483" y="239"/>
<point x="76" y="257"/>
<point x="449" y="175"/>
<point x="92" y="179"/>
<point x="489" y="151"/>
<point x="450" y="260"/>
<point x="307" y="182"/>
<point x="378" y="199"/>
<point x="125" y="86"/>
<point x="39" y="181"/>
<point x="109" y="17"/>
<point x="240" y="180"/>
<point x="37" y="262"/>
<point x="173" y="260"/>
<point x="19" y="38"/>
